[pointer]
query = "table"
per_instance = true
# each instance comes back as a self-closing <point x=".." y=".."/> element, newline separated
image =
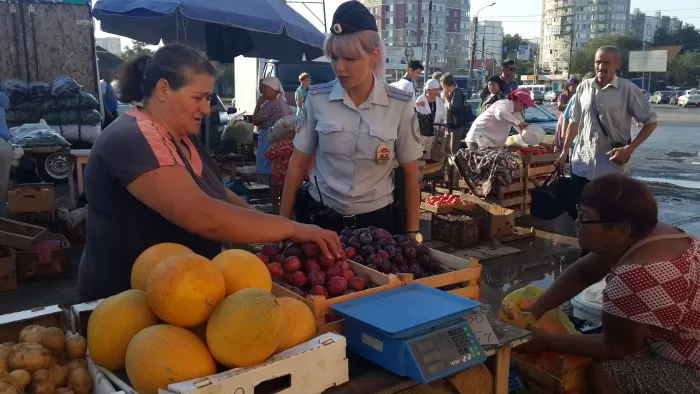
<point x="366" y="377"/>
<point x="77" y="158"/>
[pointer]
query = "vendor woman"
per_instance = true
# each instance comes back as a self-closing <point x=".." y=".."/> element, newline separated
<point x="651" y="300"/>
<point x="361" y="129"/>
<point x="150" y="179"/>
<point x="491" y="128"/>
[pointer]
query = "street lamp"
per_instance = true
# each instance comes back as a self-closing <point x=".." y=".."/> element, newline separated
<point x="475" y="22"/>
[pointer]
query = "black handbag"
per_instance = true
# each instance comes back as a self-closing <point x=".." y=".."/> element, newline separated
<point x="550" y="199"/>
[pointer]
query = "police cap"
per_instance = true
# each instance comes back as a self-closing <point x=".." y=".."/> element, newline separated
<point x="352" y="17"/>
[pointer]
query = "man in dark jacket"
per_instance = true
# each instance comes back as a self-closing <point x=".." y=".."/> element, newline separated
<point x="508" y="82"/>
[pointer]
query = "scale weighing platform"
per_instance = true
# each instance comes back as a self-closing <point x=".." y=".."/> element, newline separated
<point x="414" y="331"/>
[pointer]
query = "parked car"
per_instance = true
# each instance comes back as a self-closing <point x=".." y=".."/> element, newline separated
<point x="689" y="99"/>
<point x="661" y="97"/>
<point x="537" y="96"/>
<point x="552" y="95"/>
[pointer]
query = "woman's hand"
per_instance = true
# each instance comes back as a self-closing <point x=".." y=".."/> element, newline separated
<point x="523" y="126"/>
<point x="327" y="240"/>
<point x="537" y="344"/>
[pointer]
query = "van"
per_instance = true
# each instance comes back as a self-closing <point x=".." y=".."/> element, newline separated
<point x="537" y="92"/>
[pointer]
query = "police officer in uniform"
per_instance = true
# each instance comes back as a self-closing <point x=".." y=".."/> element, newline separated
<point x="361" y="130"/>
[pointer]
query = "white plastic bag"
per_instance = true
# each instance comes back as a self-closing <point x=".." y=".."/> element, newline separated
<point x="533" y="134"/>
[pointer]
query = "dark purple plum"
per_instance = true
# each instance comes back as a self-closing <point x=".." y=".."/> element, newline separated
<point x="391" y="250"/>
<point x="385" y="266"/>
<point x="294" y="250"/>
<point x="366" y="251"/>
<point x="374" y="259"/>
<point x="344" y="239"/>
<point x="365" y="277"/>
<point x="399" y="259"/>
<point x="356" y="232"/>
<point x="403" y="268"/>
<point x="384" y="254"/>
<point x="415" y="270"/>
<point x="346" y="233"/>
<point x="424" y="260"/>
<point x="372" y="267"/>
<point x="422" y="250"/>
<point x="354" y="242"/>
<point x="358" y="259"/>
<point x="384" y="242"/>
<point x="410" y="253"/>
<point x="365" y="239"/>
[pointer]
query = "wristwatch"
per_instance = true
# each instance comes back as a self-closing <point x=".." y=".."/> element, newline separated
<point x="416" y="235"/>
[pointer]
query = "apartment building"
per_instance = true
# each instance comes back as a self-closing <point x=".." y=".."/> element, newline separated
<point x="404" y="23"/>
<point x="489" y="42"/>
<point x="644" y="26"/>
<point x="569" y="24"/>
<point x="111" y="44"/>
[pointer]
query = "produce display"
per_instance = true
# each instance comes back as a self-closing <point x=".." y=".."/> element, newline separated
<point x="445" y="200"/>
<point x="44" y="360"/>
<point x="191" y="315"/>
<point x="456" y="218"/>
<point x="303" y="270"/>
<point x="533" y="150"/>
<point x="377" y="249"/>
<point x="280" y="152"/>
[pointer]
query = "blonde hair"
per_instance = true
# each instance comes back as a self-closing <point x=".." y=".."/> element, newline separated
<point x="357" y="45"/>
<point x="303" y="76"/>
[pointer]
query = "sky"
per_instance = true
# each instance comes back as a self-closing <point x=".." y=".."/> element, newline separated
<point x="525" y="23"/>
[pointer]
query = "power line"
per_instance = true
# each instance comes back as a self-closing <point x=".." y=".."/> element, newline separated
<point x="540" y="15"/>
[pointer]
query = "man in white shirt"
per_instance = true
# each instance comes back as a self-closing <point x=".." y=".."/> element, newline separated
<point x="491" y="128"/>
<point x="413" y="72"/>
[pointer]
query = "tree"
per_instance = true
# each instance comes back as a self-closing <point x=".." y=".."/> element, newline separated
<point x="684" y="70"/>
<point x="662" y="37"/>
<point x="137" y="49"/>
<point x="583" y="60"/>
<point x="688" y="37"/>
<point x="511" y="43"/>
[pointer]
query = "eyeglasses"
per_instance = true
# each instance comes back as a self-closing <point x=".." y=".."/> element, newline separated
<point x="511" y="68"/>
<point x="581" y="222"/>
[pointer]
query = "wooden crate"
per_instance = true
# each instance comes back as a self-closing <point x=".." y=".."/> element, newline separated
<point x="432" y="208"/>
<point x="571" y="376"/>
<point x="459" y="272"/>
<point x="321" y="306"/>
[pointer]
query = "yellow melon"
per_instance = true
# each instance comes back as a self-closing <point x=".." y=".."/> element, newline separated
<point x="185" y="289"/>
<point x="163" y="354"/>
<point x="242" y="270"/>
<point x="246" y="328"/>
<point x="149" y="258"/>
<point x="112" y="325"/>
<point x="300" y="324"/>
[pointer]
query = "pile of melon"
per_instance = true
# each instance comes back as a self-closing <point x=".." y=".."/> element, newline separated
<point x="44" y="360"/>
<point x="185" y="314"/>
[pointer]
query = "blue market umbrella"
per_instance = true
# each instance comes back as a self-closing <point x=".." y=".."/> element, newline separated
<point x="224" y="28"/>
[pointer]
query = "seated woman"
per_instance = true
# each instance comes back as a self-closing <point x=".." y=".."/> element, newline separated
<point x="491" y="128"/>
<point x="651" y="303"/>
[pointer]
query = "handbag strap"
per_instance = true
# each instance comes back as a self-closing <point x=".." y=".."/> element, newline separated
<point x="594" y="107"/>
<point x="557" y="173"/>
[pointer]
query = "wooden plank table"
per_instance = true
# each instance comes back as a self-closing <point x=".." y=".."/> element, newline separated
<point x="366" y="377"/>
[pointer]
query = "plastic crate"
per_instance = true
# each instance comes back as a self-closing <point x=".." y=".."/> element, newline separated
<point x="460" y="233"/>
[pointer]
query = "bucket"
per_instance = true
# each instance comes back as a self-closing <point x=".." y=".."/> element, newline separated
<point x="586" y="310"/>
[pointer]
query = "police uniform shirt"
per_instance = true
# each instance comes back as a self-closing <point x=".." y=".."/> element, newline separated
<point x="357" y="149"/>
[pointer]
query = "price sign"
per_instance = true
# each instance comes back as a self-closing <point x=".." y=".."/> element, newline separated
<point x="482" y="329"/>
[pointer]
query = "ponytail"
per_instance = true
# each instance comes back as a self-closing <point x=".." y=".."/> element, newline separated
<point x="131" y="79"/>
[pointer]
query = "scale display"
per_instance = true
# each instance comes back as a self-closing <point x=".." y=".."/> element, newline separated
<point x="446" y="350"/>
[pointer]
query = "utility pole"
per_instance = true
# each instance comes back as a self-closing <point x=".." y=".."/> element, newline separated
<point x="427" y="40"/>
<point x="537" y="59"/>
<point x="472" y="49"/>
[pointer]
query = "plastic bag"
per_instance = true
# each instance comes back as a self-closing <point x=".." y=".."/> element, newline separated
<point x="16" y="90"/>
<point x="89" y="117"/>
<point x="82" y="100"/>
<point x="39" y="91"/>
<point x="17" y="116"/>
<point x="533" y="134"/>
<point x="65" y="87"/>
<point x="238" y="130"/>
<point x="282" y="128"/>
<point x="514" y="303"/>
<point x="36" y="135"/>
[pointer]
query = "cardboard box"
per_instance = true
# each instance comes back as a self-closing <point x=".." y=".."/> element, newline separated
<point x="310" y="368"/>
<point x="30" y="197"/>
<point x="19" y="235"/>
<point x="36" y="265"/>
<point x="500" y="221"/>
<point x="49" y="316"/>
<point x="8" y="270"/>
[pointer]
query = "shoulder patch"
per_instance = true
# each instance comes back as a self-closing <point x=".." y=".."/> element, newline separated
<point x="398" y="94"/>
<point x="323" y="88"/>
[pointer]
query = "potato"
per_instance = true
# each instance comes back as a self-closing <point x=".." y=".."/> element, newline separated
<point x="75" y="364"/>
<point x="41" y="387"/>
<point x="5" y="351"/>
<point x="80" y="381"/>
<point x="41" y="375"/>
<point x="31" y="334"/>
<point x="8" y="344"/>
<point x="4" y="367"/>
<point x="53" y="339"/>
<point x="30" y="358"/>
<point x="58" y="375"/>
<point x="20" y="378"/>
<point x="76" y="346"/>
<point x="9" y="388"/>
<point x="64" y="390"/>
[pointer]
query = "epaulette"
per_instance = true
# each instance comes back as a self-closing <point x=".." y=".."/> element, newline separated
<point x="398" y="94"/>
<point x="322" y="88"/>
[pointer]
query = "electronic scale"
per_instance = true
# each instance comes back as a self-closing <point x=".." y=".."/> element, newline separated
<point x="414" y="331"/>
